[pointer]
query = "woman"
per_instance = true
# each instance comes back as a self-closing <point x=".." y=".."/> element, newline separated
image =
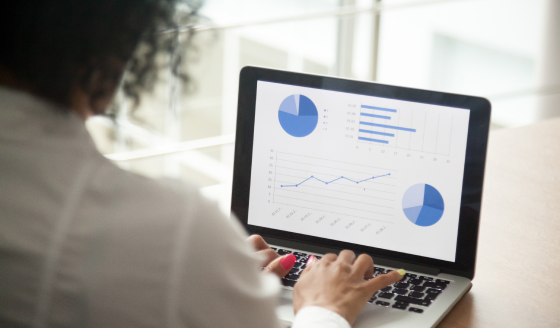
<point x="85" y="244"/>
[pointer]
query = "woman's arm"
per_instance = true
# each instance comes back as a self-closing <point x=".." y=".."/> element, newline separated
<point x="221" y="280"/>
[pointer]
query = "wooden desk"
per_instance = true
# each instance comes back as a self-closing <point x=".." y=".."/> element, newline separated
<point x="517" y="282"/>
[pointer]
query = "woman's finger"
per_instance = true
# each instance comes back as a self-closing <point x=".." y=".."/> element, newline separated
<point x="330" y="257"/>
<point x="310" y="260"/>
<point x="347" y="256"/>
<point x="384" y="280"/>
<point x="258" y="242"/>
<point x="281" y="266"/>
<point x="268" y="256"/>
<point x="363" y="266"/>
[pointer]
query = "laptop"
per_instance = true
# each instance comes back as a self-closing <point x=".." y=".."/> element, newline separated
<point x="324" y="164"/>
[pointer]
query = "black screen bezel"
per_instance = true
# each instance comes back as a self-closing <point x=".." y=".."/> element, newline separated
<point x="477" y="141"/>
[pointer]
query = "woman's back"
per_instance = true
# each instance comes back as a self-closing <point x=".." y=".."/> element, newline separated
<point x="84" y="243"/>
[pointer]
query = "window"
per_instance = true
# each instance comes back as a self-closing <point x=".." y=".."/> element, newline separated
<point x="505" y="50"/>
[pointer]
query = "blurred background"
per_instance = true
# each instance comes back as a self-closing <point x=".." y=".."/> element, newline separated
<point x="505" y="50"/>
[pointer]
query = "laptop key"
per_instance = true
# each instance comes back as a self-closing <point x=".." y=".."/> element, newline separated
<point x="402" y="285"/>
<point x="381" y="303"/>
<point x="400" y="305"/>
<point x="435" y="285"/>
<point x="417" y="288"/>
<point x="416" y="294"/>
<point x="416" y="281"/>
<point x="288" y="283"/>
<point x="412" y="300"/>
<point x="386" y="295"/>
<point x="415" y="310"/>
<point x="433" y="291"/>
<point x="431" y="297"/>
<point x="400" y="291"/>
<point x="440" y="281"/>
<point x="386" y="289"/>
<point x="292" y="276"/>
<point x="372" y="299"/>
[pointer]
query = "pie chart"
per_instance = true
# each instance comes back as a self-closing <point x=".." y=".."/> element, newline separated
<point x="423" y="205"/>
<point x="298" y="115"/>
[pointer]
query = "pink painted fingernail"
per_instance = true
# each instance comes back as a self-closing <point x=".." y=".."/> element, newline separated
<point x="288" y="261"/>
<point x="311" y="259"/>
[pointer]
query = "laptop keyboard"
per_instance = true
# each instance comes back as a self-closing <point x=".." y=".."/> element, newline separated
<point x="413" y="293"/>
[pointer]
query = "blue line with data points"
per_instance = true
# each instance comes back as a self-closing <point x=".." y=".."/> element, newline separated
<point x="341" y="177"/>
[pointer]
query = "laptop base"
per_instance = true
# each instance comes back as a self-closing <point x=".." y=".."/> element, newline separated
<point x="374" y="315"/>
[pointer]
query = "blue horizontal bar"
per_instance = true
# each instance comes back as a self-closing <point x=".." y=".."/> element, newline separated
<point x="388" y="126"/>
<point x="377" y="116"/>
<point x="374" y="140"/>
<point x="380" y="108"/>
<point x="377" y="132"/>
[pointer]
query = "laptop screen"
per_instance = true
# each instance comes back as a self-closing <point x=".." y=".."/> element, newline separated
<point x="366" y="170"/>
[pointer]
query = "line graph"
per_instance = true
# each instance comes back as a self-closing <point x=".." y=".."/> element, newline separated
<point x="341" y="177"/>
<point x="337" y="187"/>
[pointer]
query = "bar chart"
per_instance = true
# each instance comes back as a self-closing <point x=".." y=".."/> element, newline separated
<point x="418" y="130"/>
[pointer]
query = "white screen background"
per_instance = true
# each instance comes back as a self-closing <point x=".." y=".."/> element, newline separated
<point x="368" y="213"/>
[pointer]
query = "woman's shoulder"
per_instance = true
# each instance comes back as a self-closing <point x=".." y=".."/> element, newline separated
<point x="121" y="191"/>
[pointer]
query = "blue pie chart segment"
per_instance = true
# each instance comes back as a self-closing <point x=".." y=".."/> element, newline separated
<point x="298" y="115"/>
<point x="423" y="205"/>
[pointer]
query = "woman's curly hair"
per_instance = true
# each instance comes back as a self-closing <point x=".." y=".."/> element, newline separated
<point x="52" y="46"/>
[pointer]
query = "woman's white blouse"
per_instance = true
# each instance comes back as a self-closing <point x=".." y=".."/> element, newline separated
<point x="86" y="244"/>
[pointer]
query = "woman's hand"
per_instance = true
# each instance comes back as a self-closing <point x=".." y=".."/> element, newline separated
<point x="337" y="283"/>
<point x="280" y="265"/>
